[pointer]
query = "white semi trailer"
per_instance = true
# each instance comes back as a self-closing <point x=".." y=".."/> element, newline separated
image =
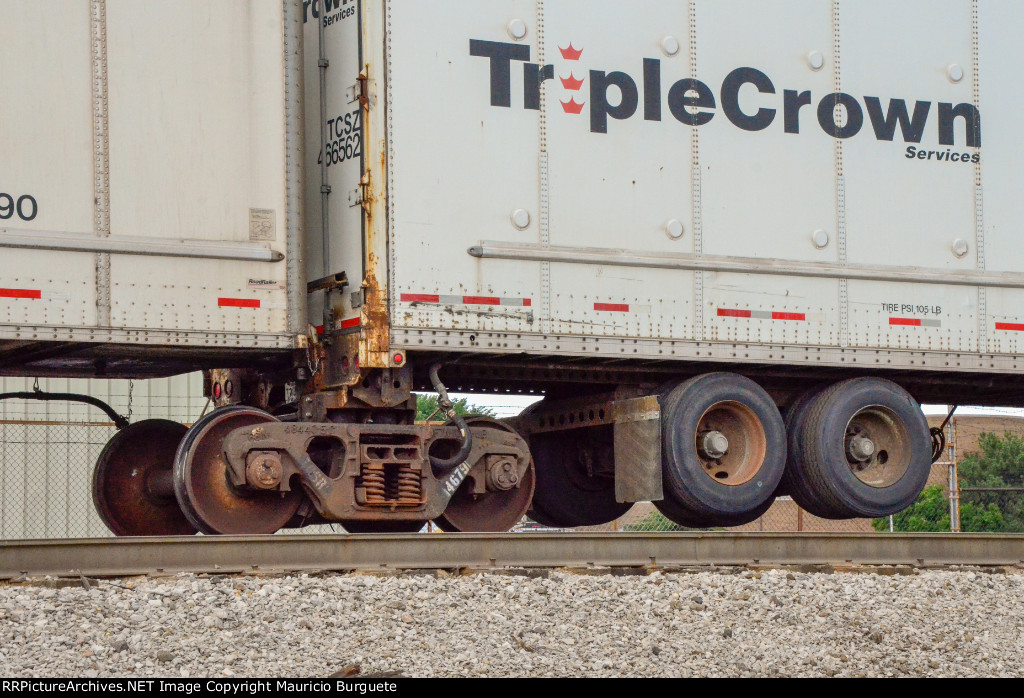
<point x="677" y="220"/>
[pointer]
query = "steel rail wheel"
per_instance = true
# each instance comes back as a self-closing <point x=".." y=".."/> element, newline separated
<point x="723" y="448"/>
<point x="866" y="448"/>
<point x="132" y="485"/>
<point x="492" y="512"/>
<point x="204" y="490"/>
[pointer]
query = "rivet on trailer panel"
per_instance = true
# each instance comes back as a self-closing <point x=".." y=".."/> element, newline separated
<point x="960" y="247"/>
<point x="815" y="60"/>
<point x="670" y="45"/>
<point x="517" y="29"/>
<point x="820" y="239"/>
<point x="955" y="72"/>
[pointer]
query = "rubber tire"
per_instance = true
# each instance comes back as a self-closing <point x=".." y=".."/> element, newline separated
<point x="824" y="457"/>
<point x="542" y="517"/>
<point x="688" y="519"/>
<point x="795" y="480"/>
<point x="685" y="481"/>
<point x="560" y="501"/>
<point x="680" y="515"/>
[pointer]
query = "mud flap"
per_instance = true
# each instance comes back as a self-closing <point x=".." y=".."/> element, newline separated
<point x="638" y="450"/>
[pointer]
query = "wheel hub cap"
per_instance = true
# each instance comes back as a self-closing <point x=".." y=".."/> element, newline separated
<point x="860" y="449"/>
<point x="716" y="444"/>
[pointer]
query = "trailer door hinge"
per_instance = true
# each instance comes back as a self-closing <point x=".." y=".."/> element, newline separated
<point x="352" y="93"/>
<point x="363" y="87"/>
<point x="355" y="197"/>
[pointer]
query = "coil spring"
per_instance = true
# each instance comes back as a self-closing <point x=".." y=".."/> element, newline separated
<point x="374" y="483"/>
<point x="408" y="485"/>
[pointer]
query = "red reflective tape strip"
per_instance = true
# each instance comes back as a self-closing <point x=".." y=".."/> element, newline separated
<point x="722" y="312"/>
<point x="24" y="293"/>
<point x="611" y="307"/>
<point x="350" y="323"/>
<point x="1010" y="326"/>
<point x="480" y="300"/>
<point x="420" y="298"/>
<point x="799" y="317"/>
<point x="464" y="300"/>
<point x="904" y="322"/>
<point x="238" y="303"/>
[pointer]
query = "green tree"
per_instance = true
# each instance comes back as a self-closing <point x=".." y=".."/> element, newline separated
<point x="426" y="405"/>
<point x="998" y="464"/>
<point x="930" y="514"/>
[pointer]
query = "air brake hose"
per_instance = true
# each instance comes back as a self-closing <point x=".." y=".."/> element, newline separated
<point x="449" y="411"/>
<point x="119" y="421"/>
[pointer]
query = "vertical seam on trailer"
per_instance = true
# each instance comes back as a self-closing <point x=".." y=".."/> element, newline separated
<point x="295" y="286"/>
<point x="979" y="198"/>
<point x="101" y="154"/>
<point x="325" y="178"/>
<point x="544" y="219"/>
<point x="844" y="291"/>
<point x="389" y="186"/>
<point x="696" y="193"/>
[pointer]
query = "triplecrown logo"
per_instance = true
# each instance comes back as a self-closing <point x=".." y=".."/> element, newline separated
<point x="618" y="96"/>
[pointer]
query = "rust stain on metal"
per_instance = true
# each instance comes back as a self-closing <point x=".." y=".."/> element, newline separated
<point x="375" y="335"/>
<point x="376" y="321"/>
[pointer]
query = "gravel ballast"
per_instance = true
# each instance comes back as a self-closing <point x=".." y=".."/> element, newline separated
<point x="709" y="623"/>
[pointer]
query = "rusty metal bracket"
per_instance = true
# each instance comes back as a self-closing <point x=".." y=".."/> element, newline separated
<point x="328" y="283"/>
<point x="380" y="472"/>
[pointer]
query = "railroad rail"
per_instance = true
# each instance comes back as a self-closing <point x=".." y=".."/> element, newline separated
<point x="119" y="557"/>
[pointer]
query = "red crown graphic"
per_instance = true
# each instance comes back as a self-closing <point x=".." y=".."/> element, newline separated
<point x="571" y="83"/>
<point x="572" y="106"/>
<point x="570" y="54"/>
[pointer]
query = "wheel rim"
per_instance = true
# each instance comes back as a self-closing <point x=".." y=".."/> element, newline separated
<point x="493" y="512"/>
<point x="877" y="446"/>
<point x="132" y="487"/>
<point x="741" y="460"/>
<point x="203" y="488"/>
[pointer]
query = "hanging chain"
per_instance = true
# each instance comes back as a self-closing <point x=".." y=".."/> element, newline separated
<point x="35" y="386"/>
<point x="131" y="391"/>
